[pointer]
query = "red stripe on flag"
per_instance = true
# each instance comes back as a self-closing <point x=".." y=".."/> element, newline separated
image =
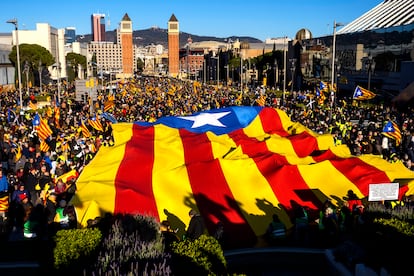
<point x="360" y="173"/>
<point x="304" y="144"/>
<point x="210" y="189"/>
<point x="284" y="179"/>
<point x="133" y="182"/>
<point x="271" y="122"/>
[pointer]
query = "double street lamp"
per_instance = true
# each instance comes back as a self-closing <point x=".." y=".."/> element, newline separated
<point x="15" y="23"/>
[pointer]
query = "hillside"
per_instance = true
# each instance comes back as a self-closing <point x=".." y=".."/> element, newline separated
<point x="160" y="36"/>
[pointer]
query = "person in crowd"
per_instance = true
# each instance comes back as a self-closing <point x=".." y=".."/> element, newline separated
<point x="220" y="234"/>
<point x="4" y="182"/>
<point x="31" y="180"/>
<point x="4" y="190"/>
<point x="44" y="176"/>
<point x="60" y="189"/>
<point x="19" y="193"/>
<point x="328" y="224"/>
<point x="345" y="219"/>
<point x="301" y="222"/>
<point x="50" y="213"/>
<point x="131" y="106"/>
<point x="354" y="203"/>
<point x="196" y="227"/>
<point x="168" y="235"/>
<point x="276" y="231"/>
<point x="62" y="216"/>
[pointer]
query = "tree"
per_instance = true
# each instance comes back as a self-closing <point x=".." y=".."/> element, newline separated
<point x="33" y="56"/>
<point x="140" y="65"/>
<point x="73" y="61"/>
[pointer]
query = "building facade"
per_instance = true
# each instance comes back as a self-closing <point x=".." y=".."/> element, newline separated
<point x="98" y="27"/>
<point x="375" y="51"/>
<point x="7" y="71"/>
<point x="70" y="35"/>
<point x="52" y="39"/>
<point x="118" y="58"/>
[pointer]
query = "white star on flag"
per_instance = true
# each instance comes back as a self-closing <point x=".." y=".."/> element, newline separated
<point x="206" y="119"/>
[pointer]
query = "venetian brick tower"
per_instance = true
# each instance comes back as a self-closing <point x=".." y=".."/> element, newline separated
<point x="125" y="31"/>
<point x="173" y="46"/>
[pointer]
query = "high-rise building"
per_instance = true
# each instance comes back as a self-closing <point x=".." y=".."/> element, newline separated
<point x="98" y="27"/>
<point x="173" y="46"/>
<point x="125" y="31"/>
<point x="70" y="35"/>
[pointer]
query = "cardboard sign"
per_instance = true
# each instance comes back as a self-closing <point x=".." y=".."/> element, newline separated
<point x="383" y="191"/>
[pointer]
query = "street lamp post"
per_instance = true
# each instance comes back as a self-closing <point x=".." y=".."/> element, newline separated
<point x="292" y="68"/>
<point x="218" y="69"/>
<point x="338" y="70"/>
<point x="284" y="70"/>
<point x="15" y="23"/>
<point x="40" y="76"/>
<point x="241" y="73"/>
<point x="370" y="67"/>
<point x="335" y="25"/>
<point x="227" y="74"/>
<point x="276" y="73"/>
<point x="186" y="58"/>
<point x="26" y="72"/>
<point x="58" y="68"/>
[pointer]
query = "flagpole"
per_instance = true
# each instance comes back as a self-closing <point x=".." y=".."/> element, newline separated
<point x="19" y="75"/>
<point x="284" y="70"/>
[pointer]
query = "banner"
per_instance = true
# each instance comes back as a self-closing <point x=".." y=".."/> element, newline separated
<point x="237" y="165"/>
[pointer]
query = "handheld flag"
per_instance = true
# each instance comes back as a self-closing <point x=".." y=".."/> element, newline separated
<point x="43" y="129"/>
<point x="57" y="116"/>
<point x="11" y="116"/>
<point x="109" y="117"/>
<point x="363" y="94"/>
<point x="261" y="101"/>
<point x="32" y="105"/>
<point x="391" y="130"/>
<point x="323" y="86"/>
<point x="109" y="104"/>
<point x="85" y="131"/>
<point x="95" y="123"/>
<point x="44" y="147"/>
<point x="36" y="120"/>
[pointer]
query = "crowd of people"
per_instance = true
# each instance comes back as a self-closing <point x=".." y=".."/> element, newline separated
<point x="38" y="176"/>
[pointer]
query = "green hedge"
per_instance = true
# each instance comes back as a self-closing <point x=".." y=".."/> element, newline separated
<point x="74" y="245"/>
<point x="203" y="256"/>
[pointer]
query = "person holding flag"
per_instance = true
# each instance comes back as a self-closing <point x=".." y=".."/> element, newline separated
<point x="391" y="130"/>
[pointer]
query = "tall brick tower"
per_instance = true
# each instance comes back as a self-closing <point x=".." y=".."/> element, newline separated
<point x="125" y="36"/>
<point x="173" y="46"/>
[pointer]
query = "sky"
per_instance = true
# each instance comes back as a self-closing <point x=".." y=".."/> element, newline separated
<point x="260" y="19"/>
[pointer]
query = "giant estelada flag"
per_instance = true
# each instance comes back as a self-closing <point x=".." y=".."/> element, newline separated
<point x="237" y="165"/>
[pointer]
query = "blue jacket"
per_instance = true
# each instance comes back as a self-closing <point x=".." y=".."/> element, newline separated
<point x="4" y="184"/>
